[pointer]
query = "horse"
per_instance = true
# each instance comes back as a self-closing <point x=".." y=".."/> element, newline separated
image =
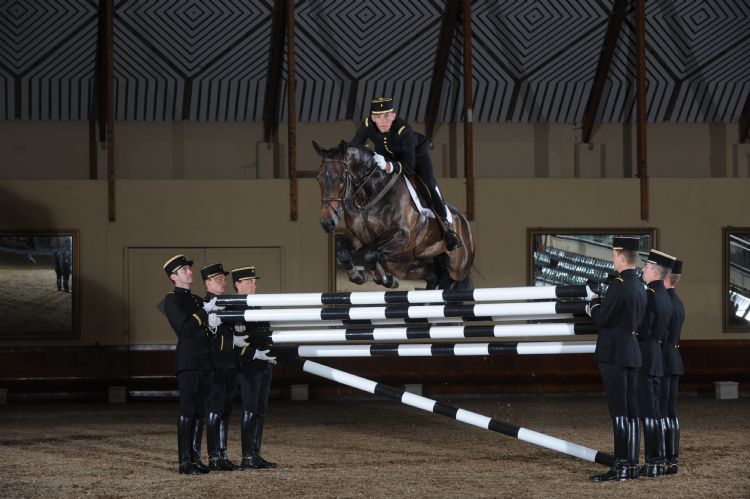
<point x="384" y="226"/>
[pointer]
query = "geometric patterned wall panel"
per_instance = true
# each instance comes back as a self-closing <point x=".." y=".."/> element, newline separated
<point x="533" y="61"/>
<point x="47" y="58"/>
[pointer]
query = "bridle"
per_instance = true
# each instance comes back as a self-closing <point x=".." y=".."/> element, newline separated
<point x="352" y="184"/>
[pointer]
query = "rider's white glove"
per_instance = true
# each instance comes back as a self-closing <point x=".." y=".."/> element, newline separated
<point x="240" y="341"/>
<point x="213" y="320"/>
<point x="263" y="355"/>
<point x="380" y="161"/>
<point x="210" y="306"/>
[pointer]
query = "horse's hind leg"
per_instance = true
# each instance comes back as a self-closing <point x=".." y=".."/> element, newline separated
<point x="344" y="256"/>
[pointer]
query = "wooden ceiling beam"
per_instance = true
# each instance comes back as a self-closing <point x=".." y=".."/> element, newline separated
<point x="447" y="32"/>
<point x="616" y="18"/>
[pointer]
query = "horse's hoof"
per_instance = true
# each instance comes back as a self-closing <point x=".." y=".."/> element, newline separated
<point x="359" y="278"/>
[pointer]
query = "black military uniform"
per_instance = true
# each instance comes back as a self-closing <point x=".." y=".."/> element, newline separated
<point x="255" y="386"/>
<point x="408" y="152"/>
<point x="651" y="337"/>
<point x="223" y="385"/>
<point x="617" y="353"/>
<point x="188" y="318"/>
<point x="673" y="369"/>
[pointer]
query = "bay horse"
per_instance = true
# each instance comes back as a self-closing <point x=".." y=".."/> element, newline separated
<point x="384" y="226"/>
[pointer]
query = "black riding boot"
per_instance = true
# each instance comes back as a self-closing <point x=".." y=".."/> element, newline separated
<point x="619" y="470"/>
<point x="651" y="428"/>
<point x="247" y="431"/>
<point x="257" y="438"/>
<point x="673" y="445"/>
<point x="662" y="422"/>
<point x="212" y="438"/>
<point x="634" y="447"/>
<point x="184" y="430"/>
<point x="450" y="238"/>
<point x="196" y="438"/>
<point x="228" y="465"/>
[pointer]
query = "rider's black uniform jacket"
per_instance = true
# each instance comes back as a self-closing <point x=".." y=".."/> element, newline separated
<point x="618" y="318"/>
<point x="222" y="345"/>
<point x="672" y="358"/>
<point x="257" y="331"/>
<point x="654" y="331"/>
<point x="400" y="145"/>
<point x="187" y="317"/>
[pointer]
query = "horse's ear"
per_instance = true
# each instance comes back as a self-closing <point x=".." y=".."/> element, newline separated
<point x="317" y="148"/>
<point x="343" y="146"/>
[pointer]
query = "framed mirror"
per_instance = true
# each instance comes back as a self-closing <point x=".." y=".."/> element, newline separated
<point x="565" y="256"/>
<point x="736" y="279"/>
<point x="39" y="284"/>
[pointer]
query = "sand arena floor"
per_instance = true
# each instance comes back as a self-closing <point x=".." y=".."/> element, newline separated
<point x="362" y="448"/>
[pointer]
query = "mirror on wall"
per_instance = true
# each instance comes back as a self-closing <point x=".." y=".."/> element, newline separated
<point x="736" y="289"/>
<point x="565" y="256"/>
<point x="39" y="283"/>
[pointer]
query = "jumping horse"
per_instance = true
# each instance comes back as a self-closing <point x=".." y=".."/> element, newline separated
<point x="384" y="226"/>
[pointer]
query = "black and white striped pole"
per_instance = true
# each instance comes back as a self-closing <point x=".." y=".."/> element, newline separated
<point x="436" y="350"/>
<point x="458" y="414"/>
<point x="519" y="293"/>
<point x="371" y="333"/>
<point x="406" y="312"/>
<point x="397" y="322"/>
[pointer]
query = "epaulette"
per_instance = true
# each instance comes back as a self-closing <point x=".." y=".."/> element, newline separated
<point x="650" y="289"/>
<point x="401" y="130"/>
<point x="367" y="122"/>
<point x="619" y="279"/>
<point x="197" y="318"/>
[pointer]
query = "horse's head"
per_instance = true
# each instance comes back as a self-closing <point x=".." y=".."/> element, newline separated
<point x="338" y="174"/>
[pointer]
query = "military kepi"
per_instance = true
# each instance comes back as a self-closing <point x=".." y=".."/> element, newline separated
<point x="661" y="259"/>
<point x="381" y="105"/>
<point x="677" y="267"/>
<point x="625" y="243"/>
<point x="244" y="274"/>
<point x="176" y="263"/>
<point x="214" y="269"/>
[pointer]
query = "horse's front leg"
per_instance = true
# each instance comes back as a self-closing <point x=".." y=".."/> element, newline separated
<point x="344" y="249"/>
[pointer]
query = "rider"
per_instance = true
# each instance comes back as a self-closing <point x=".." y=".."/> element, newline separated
<point x="399" y="149"/>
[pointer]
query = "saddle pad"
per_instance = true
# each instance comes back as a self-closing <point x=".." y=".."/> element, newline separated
<point x="423" y="211"/>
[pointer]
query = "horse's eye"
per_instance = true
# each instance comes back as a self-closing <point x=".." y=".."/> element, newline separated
<point x="342" y="179"/>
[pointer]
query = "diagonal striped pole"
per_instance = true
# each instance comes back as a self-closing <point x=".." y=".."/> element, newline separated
<point x="437" y="350"/>
<point x="405" y="312"/>
<point x="519" y="293"/>
<point x="458" y="414"/>
<point x="415" y="322"/>
<point x="364" y="333"/>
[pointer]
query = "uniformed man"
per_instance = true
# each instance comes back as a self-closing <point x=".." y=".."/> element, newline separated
<point x="399" y="149"/>
<point x="255" y="377"/>
<point x="193" y="322"/>
<point x="617" y="318"/>
<point x="651" y="337"/>
<point x="224" y="380"/>
<point x="673" y="369"/>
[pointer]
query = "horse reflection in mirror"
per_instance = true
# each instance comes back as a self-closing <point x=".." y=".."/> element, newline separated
<point x="384" y="226"/>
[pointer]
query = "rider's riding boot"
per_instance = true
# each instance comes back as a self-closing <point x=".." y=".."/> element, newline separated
<point x="439" y="207"/>
<point x="226" y="463"/>
<point x="634" y="447"/>
<point x="450" y="238"/>
<point x="619" y="470"/>
<point x="247" y="432"/>
<point x="196" y="437"/>
<point x="257" y="438"/>
<point x="651" y="428"/>
<point x="184" y="427"/>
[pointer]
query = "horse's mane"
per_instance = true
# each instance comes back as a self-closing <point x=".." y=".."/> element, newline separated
<point x="359" y="153"/>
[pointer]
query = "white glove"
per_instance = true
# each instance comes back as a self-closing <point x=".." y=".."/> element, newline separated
<point x="263" y="355"/>
<point x="213" y="320"/>
<point x="380" y="161"/>
<point x="239" y="328"/>
<point x="210" y="306"/>
<point x="240" y="341"/>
